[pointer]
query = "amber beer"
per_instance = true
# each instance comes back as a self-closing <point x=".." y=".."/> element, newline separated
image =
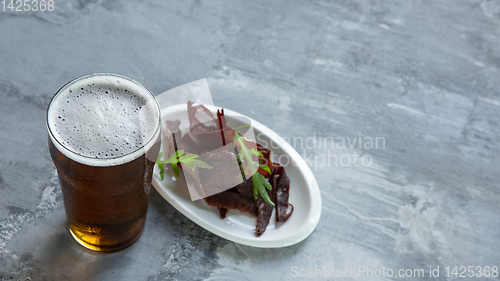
<point x="104" y="138"/>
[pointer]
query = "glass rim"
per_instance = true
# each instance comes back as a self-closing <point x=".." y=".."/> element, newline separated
<point x="104" y="74"/>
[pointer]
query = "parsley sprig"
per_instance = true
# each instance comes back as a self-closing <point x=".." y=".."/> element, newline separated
<point x="178" y="157"/>
<point x="260" y="183"/>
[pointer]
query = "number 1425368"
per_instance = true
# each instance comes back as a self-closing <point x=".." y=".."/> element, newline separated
<point x="27" y="5"/>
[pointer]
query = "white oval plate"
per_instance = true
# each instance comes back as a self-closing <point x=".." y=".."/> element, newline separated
<point x="240" y="227"/>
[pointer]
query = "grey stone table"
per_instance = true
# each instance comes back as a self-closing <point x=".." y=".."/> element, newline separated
<point x="421" y="77"/>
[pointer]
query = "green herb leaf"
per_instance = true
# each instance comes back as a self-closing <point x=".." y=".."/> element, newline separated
<point x="160" y="166"/>
<point x="256" y="152"/>
<point x="245" y="153"/>
<point x="189" y="160"/>
<point x="175" y="168"/>
<point x="265" y="167"/>
<point x="262" y="166"/>
<point x="162" y="172"/>
<point x="260" y="183"/>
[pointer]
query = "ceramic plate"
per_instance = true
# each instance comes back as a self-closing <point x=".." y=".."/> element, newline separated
<point x="240" y="227"/>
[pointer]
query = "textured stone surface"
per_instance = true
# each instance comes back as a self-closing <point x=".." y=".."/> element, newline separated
<point x="423" y="75"/>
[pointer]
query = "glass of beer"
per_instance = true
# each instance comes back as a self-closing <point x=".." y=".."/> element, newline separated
<point x="104" y="138"/>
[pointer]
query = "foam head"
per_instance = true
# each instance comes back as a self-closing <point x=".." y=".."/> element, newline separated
<point x="100" y="119"/>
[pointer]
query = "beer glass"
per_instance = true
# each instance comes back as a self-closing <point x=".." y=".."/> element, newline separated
<point x="104" y="135"/>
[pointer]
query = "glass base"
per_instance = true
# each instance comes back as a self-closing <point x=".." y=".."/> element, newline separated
<point x="92" y="243"/>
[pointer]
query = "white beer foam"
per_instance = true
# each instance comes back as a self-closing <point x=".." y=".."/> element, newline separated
<point x="103" y="120"/>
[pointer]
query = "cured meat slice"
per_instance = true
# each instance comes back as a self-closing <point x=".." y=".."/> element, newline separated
<point x="231" y="200"/>
<point x="266" y="160"/>
<point x="222" y="212"/>
<point x="264" y="212"/>
<point x="246" y="188"/>
<point x="281" y="185"/>
<point x="194" y="122"/>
